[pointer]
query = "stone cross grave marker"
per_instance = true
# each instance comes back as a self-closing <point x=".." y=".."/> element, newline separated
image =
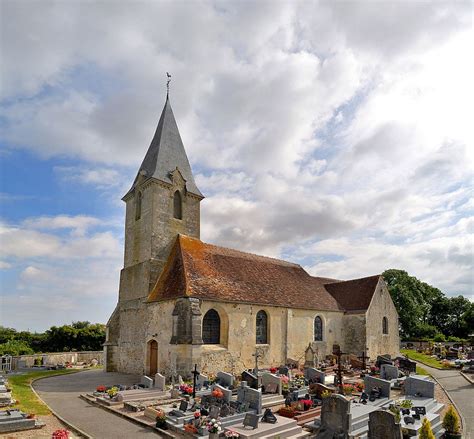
<point x="382" y="424"/>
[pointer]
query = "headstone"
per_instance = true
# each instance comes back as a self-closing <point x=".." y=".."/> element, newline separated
<point x="382" y="424"/>
<point x="388" y="372"/>
<point x="225" y="411"/>
<point x="416" y="386"/>
<point x="147" y="382"/>
<point x="214" y="412"/>
<point x="284" y="370"/>
<point x="183" y="406"/>
<point x="251" y="420"/>
<point x="201" y="380"/>
<point x="252" y="397"/>
<point x="371" y="382"/>
<point x="160" y="382"/>
<point x="226" y="392"/>
<point x="175" y="393"/>
<point x="251" y="379"/>
<point x="407" y="365"/>
<point x="225" y="379"/>
<point x="383" y="359"/>
<point x="335" y="418"/>
<point x="271" y="383"/>
<point x="309" y="357"/>
<point x="180" y="380"/>
<point x="314" y="375"/>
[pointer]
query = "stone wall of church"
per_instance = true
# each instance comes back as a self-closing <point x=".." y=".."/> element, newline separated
<point x="380" y="307"/>
<point x="354" y="333"/>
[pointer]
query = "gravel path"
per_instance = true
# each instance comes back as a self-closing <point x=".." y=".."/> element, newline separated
<point x="462" y="393"/>
<point x="61" y="393"/>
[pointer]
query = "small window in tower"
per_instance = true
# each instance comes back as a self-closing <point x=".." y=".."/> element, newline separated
<point x="138" y="206"/>
<point x="262" y="328"/>
<point x="385" y="325"/>
<point x="211" y="327"/>
<point x="177" y="206"/>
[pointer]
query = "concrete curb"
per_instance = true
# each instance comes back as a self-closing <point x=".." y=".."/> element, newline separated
<point x="467" y="378"/>
<point x="463" y="421"/>
<point x="161" y="433"/>
<point x="74" y="428"/>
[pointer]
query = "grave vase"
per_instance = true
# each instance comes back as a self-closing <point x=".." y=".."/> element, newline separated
<point x="213" y="435"/>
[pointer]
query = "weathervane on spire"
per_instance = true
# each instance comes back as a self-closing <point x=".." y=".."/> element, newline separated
<point x="168" y="84"/>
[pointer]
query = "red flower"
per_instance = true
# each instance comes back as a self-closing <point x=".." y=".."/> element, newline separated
<point x="273" y="369"/>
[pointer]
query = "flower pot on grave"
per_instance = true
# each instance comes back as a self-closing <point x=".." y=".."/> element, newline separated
<point x="213" y="435"/>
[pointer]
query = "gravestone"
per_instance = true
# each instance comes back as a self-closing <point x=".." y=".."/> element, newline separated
<point x="407" y="365"/>
<point x="371" y="382"/>
<point x="314" y="375"/>
<point x="388" y="372"/>
<point x="335" y="418"/>
<point x="225" y="411"/>
<point x="415" y="386"/>
<point x="250" y="379"/>
<point x="175" y="393"/>
<point x="383" y="359"/>
<point x="147" y="382"/>
<point x="382" y="424"/>
<point x="284" y="370"/>
<point x="252" y="397"/>
<point x="214" y="412"/>
<point x="201" y="381"/>
<point x="251" y="420"/>
<point x="309" y="357"/>
<point x="226" y="392"/>
<point x="271" y="383"/>
<point x="160" y="382"/>
<point x="225" y="379"/>
<point x="183" y="406"/>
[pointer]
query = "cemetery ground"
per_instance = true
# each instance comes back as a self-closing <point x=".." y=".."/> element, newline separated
<point x="423" y="358"/>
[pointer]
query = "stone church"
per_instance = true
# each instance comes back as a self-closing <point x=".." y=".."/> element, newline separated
<point x="184" y="302"/>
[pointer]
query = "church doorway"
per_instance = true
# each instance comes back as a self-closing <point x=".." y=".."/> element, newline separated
<point x="152" y="357"/>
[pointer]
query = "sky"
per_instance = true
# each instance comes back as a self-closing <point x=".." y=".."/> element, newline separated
<point x="337" y="135"/>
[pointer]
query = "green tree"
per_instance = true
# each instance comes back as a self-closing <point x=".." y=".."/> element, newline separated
<point x="15" y="347"/>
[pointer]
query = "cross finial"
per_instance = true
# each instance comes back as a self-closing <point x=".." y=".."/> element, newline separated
<point x="168" y="84"/>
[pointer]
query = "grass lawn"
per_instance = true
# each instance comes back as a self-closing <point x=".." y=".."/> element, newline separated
<point x="422" y="358"/>
<point x="421" y="371"/>
<point x="21" y="389"/>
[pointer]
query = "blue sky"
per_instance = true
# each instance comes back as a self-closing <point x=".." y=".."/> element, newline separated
<point x="333" y="134"/>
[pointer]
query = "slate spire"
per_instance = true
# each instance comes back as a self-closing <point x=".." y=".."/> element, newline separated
<point x="166" y="153"/>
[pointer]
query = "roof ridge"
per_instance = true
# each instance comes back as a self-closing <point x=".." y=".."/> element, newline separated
<point x="353" y="280"/>
<point x="269" y="258"/>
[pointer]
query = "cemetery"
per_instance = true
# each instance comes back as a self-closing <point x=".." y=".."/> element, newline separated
<point x="343" y="394"/>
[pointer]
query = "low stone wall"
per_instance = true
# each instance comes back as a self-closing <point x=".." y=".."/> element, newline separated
<point x="54" y="358"/>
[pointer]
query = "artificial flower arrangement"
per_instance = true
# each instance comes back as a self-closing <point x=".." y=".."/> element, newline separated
<point x="186" y="389"/>
<point x="273" y="369"/>
<point x="101" y="389"/>
<point x="287" y="412"/>
<point x="217" y="393"/>
<point x="284" y="379"/>
<point x="359" y="386"/>
<point x="60" y="434"/>
<point x="326" y="394"/>
<point x="213" y="426"/>
<point x="348" y="389"/>
<point x="190" y="428"/>
<point x="307" y="403"/>
<point x="230" y="433"/>
<point x="112" y="391"/>
<point x="160" y="419"/>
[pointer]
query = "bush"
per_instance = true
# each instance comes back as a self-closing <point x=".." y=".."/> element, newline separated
<point x="439" y="337"/>
<point x="451" y="421"/>
<point x="425" y="431"/>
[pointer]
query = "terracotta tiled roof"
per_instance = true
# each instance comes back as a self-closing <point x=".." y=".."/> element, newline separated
<point x="206" y="271"/>
<point x="356" y="294"/>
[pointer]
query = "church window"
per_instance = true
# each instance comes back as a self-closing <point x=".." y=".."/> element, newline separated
<point x="318" y="329"/>
<point x="177" y="205"/>
<point x="138" y="206"/>
<point x="262" y="327"/>
<point x="385" y="325"/>
<point x="211" y="327"/>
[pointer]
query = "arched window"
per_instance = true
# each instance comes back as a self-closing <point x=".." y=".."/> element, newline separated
<point x="385" y="325"/>
<point x="138" y="206"/>
<point x="211" y="327"/>
<point x="262" y="329"/>
<point x="318" y="329"/>
<point x="177" y="207"/>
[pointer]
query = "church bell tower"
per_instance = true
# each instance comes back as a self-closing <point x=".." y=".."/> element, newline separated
<point x="162" y="203"/>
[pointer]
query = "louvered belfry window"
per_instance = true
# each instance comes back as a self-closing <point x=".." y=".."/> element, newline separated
<point x="318" y="329"/>
<point x="262" y="330"/>
<point x="211" y="327"/>
<point x="177" y="206"/>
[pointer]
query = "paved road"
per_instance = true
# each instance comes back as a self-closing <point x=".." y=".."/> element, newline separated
<point x="462" y="393"/>
<point x="61" y="394"/>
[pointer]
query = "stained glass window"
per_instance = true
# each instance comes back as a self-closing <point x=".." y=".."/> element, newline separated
<point x="318" y="329"/>
<point x="211" y="327"/>
<point x="262" y="337"/>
